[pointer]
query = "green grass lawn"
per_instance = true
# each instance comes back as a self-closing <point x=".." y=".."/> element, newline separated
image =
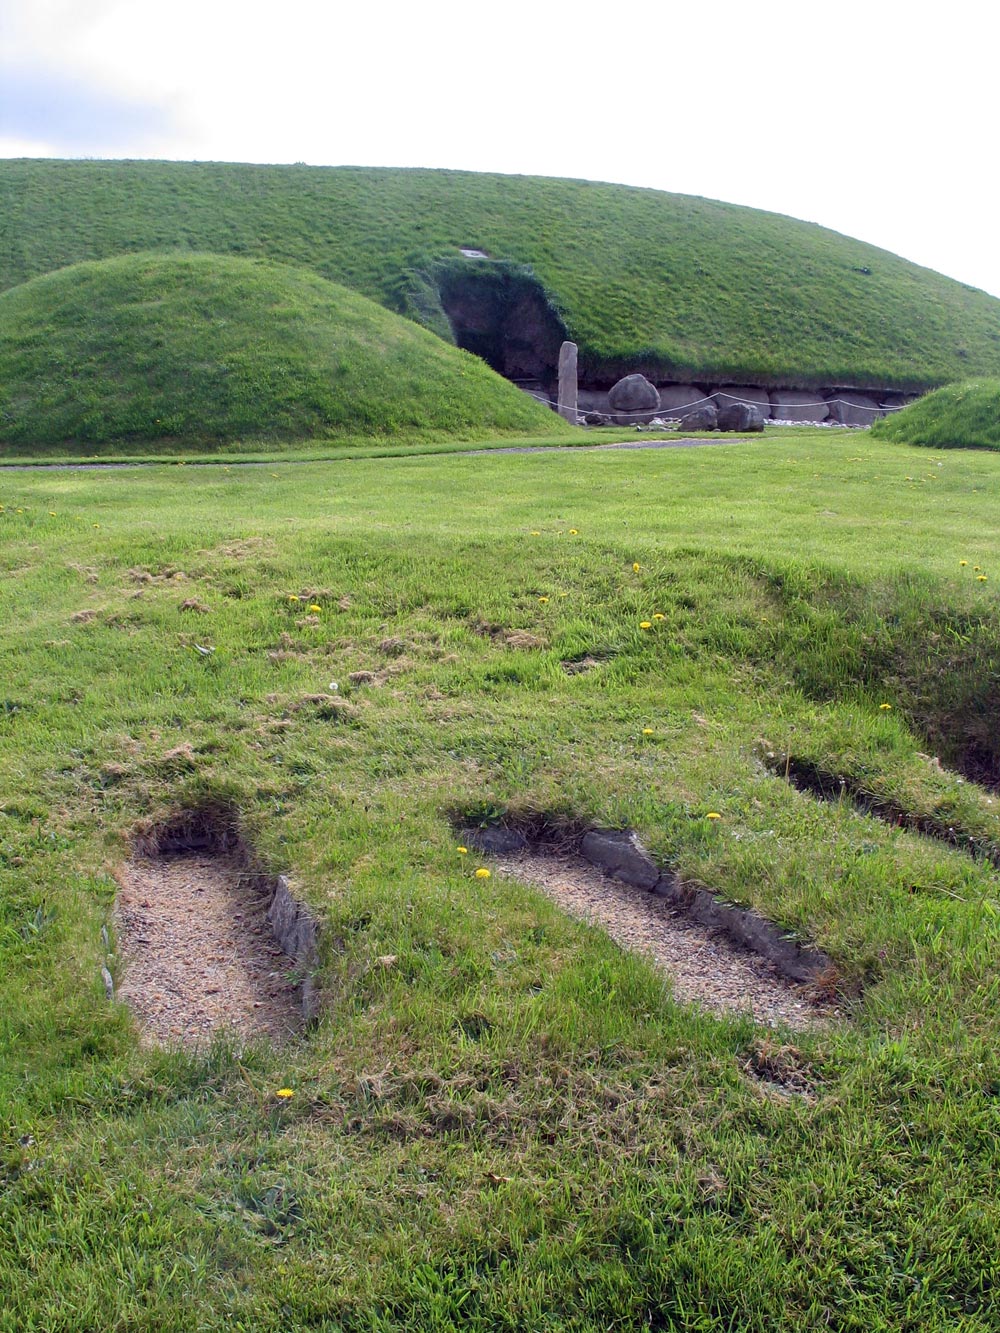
<point x="642" y="279"/>
<point x="515" y="1127"/>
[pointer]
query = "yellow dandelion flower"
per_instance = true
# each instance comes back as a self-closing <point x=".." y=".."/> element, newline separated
<point x="292" y="597"/>
<point x="713" y="814"/>
<point x="645" y="624"/>
<point x="573" y="532"/>
<point x="535" y="533"/>
<point x="963" y="562"/>
<point x="975" y="567"/>
<point x="313" y="607"/>
<point x="462" y="851"/>
<point x="885" y="707"/>
<point x="635" y="567"/>
<point x="482" y="873"/>
<point x="980" y="578"/>
<point x="658" y="615"/>
<point x="52" y="513"/>
<point x="647" y="731"/>
<point x="96" y="525"/>
<point x="543" y="599"/>
<point x="285" y="1093"/>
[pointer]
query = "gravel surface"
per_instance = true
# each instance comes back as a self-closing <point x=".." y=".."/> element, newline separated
<point x="684" y="443"/>
<point x="199" y="956"/>
<point x="704" y="967"/>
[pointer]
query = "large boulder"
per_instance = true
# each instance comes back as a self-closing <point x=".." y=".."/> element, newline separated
<point x="705" y="417"/>
<point x="740" y="417"/>
<point x="744" y="393"/>
<point x="798" y="405"/>
<point x="634" y="399"/>
<point x="853" y="409"/>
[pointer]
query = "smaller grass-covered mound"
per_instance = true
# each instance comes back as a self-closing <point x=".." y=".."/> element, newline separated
<point x="959" y="416"/>
<point x="157" y="349"/>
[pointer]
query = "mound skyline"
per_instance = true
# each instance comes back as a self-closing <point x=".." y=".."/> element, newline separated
<point x="211" y="349"/>
<point x="675" y="286"/>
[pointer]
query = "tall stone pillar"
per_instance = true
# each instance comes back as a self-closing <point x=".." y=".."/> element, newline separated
<point x="567" y="382"/>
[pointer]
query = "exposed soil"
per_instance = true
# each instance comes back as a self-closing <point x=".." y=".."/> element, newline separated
<point x="705" y="968"/>
<point x="199" y="955"/>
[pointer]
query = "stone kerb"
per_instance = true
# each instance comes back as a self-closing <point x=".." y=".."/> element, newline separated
<point x="807" y="405"/>
<point x="854" y="409"/>
<point x="744" y="393"/>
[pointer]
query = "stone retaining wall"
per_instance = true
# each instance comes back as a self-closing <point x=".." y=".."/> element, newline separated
<point x="849" y="407"/>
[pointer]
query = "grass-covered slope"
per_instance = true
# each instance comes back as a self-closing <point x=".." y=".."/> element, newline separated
<point x="959" y="416"/>
<point x="205" y="348"/>
<point x="678" y="285"/>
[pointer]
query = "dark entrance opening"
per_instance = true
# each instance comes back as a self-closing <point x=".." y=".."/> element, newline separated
<point x="500" y="312"/>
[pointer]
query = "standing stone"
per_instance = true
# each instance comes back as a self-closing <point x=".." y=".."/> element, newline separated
<point x="567" y="382"/>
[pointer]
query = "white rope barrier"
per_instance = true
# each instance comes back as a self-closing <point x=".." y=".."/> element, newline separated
<point x="697" y="402"/>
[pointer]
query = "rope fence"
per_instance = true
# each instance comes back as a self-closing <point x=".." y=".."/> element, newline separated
<point x="668" y="412"/>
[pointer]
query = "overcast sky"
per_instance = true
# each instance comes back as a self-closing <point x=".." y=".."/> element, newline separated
<point x="870" y="118"/>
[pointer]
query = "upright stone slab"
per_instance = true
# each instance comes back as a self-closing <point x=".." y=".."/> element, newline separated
<point x="853" y="409"/>
<point x="744" y="393"/>
<point x="567" y="382"/>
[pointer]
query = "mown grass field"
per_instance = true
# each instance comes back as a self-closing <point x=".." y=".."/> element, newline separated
<point x="642" y="279"/>
<point x="514" y="1127"/>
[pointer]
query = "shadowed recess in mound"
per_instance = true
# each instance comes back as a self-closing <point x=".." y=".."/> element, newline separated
<point x="210" y="944"/>
<point x="495" y="309"/>
<point x="808" y="777"/>
<point x="724" y="958"/>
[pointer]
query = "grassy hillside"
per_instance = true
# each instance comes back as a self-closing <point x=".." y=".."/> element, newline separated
<point x="201" y="348"/>
<point x="679" y="285"/>
<point x="504" y="1121"/>
<point x="958" y="416"/>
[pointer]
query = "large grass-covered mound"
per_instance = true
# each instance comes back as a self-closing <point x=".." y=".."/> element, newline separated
<point x="959" y="416"/>
<point x="207" y="348"/>
<point x="641" y="279"/>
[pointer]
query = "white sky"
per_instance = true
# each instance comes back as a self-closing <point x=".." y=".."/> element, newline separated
<point x="876" y="119"/>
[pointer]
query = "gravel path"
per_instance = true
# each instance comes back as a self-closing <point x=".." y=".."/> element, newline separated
<point x="687" y="443"/>
<point x="704" y="967"/>
<point x="199" y="956"/>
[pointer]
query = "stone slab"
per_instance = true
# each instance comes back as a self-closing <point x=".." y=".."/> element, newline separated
<point x="853" y="409"/>
<point x="798" y="405"/>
